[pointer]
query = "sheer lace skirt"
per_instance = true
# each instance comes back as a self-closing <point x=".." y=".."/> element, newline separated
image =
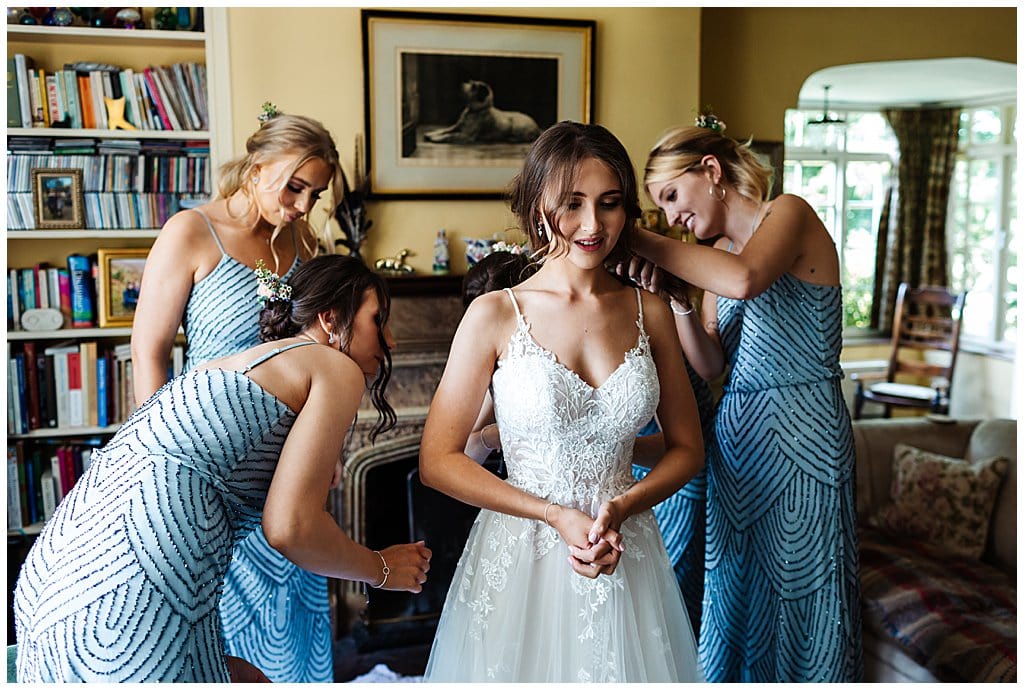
<point x="516" y="612"/>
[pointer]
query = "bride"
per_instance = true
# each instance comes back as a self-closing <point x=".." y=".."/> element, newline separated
<point x="565" y="577"/>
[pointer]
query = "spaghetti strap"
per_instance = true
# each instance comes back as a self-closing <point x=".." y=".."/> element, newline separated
<point x="515" y="304"/>
<point x="212" y="231"/>
<point x="640" y="305"/>
<point x="276" y="351"/>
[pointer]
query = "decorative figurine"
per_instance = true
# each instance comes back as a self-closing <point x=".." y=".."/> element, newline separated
<point x="184" y="18"/>
<point x="115" y="114"/>
<point x="128" y="18"/>
<point x="165" y="19"/>
<point x="59" y="16"/>
<point x="394" y="265"/>
<point x="476" y="249"/>
<point x="351" y="212"/>
<point x="441" y="258"/>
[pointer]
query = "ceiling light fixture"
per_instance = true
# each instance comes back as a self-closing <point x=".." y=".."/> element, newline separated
<point x="826" y="116"/>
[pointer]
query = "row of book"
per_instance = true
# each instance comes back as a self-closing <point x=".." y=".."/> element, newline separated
<point x="70" y="289"/>
<point x="40" y="475"/>
<point x="143" y="172"/>
<point x="69" y="385"/>
<point x="109" y="211"/>
<point x="161" y="97"/>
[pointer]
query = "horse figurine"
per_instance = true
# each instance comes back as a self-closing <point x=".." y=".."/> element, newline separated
<point x="394" y="265"/>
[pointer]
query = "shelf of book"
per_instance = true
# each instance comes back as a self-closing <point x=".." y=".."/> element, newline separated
<point x="28" y="530"/>
<point x="90" y="234"/>
<point x="68" y="432"/>
<point x="68" y="132"/>
<point x="66" y="333"/>
<point x="65" y="50"/>
<point x="61" y="34"/>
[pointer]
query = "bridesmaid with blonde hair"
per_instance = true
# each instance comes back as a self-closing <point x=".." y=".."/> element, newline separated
<point x="199" y="275"/>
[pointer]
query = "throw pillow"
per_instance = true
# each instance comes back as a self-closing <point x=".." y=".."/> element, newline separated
<point x="945" y="501"/>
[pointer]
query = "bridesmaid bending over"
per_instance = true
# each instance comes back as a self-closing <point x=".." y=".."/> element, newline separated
<point x="123" y="584"/>
<point x="199" y="275"/>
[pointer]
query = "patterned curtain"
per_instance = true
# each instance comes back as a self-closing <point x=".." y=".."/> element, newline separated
<point x="917" y="246"/>
<point x="881" y="253"/>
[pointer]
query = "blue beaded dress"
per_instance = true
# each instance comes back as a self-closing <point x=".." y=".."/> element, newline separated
<point x="681" y="516"/>
<point x="123" y="583"/>
<point x="275" y="614"/>
<point x="781" y="591"/>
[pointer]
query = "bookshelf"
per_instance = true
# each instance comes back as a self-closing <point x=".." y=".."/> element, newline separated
<point x="51" y="48"/>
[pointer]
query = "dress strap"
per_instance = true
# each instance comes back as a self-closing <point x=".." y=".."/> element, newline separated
<point x="212" y="231"/>
<point x="640" y="305"/>
<point x="276" y="351"/>
<point x="515" y="304"/>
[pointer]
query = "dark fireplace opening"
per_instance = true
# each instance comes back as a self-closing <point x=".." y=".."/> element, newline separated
<point x="398" y="508"/>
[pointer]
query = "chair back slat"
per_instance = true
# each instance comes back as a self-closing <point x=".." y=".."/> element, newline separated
<point x="926" y="319"/>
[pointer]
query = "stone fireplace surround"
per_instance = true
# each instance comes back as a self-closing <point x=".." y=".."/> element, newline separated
<point x="379" y="490"/>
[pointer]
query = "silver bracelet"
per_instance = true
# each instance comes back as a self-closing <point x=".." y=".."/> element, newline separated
<point x="672" y="306"/>
<point x="386" y="571"/>
<point x="546" y="513"/>
<point x="483" y="439"/>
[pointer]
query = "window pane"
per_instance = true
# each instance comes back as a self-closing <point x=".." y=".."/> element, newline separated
<point x="823" y="137"/>
<point x="1011" y="294"/>
<point x="870" y="133"/>
<point x="983" y="181"/>
<point x="986" y="126"/>
<point x="818" y="182"/>
<point x="865" y="191"/>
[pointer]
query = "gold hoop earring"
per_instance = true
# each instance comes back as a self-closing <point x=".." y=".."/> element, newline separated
<point x="713" y="191"/>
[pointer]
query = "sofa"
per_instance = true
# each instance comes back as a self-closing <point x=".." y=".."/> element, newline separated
<point x="931" y="613"/>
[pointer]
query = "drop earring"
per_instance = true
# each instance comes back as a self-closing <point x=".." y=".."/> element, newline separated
<point x="255" y="179"/>
<point x="541" y="231"/>
<point x="330" y="338"/>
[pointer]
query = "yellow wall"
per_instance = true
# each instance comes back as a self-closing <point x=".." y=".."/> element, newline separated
<point x="754" y="60"/>
<point x="309" y="61"/>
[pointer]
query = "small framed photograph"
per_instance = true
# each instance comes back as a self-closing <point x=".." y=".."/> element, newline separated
<point x="453" y="101"/>
<point x="57" y="198"/>
<point x="118" y="281"/>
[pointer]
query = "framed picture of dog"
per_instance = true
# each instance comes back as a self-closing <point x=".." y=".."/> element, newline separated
<point x="453" y="101"/>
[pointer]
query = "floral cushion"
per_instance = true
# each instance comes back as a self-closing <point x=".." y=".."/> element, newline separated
<point x="944" y="501"/>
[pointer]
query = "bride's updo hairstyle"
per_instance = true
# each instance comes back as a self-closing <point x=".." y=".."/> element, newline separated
<point x="545" y="184"/>
<point x="335" y="283"/>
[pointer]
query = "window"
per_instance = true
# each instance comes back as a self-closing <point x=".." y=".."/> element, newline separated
<point x="843" y="171"/>
<point x="983" y="224"/>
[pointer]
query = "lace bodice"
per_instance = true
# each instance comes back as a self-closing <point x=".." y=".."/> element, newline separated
<point x="563" y="439"/>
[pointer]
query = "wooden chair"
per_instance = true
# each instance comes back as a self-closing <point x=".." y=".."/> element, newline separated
<point x="926" y="320"/>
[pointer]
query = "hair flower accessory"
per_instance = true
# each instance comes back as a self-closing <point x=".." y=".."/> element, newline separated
<point x="503" y="246"/>
<point x="268" y="111"/>
<point x="271" y="287"/>
<point x="708" y="120"/>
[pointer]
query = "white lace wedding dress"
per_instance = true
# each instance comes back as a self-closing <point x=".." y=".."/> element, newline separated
<point x="516" y="612"/>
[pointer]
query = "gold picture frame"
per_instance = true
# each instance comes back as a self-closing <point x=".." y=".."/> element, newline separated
<point x="57" y="198"/>
<point x="453" y="101"/>
<point x="119" y="278"/>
